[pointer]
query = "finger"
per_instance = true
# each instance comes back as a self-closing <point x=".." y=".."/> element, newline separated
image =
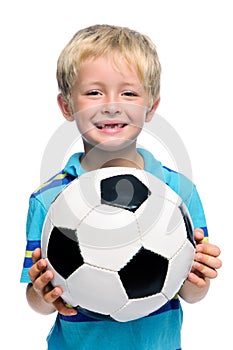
<point x="36" y="255"/>
<point x="41" y="282"/>
<point x="54" y="297"/>
<point x="198" y="281"/>
<point x="198" y="234"/>
<point x="63" y="309"/>
<point x="208" y="260"/>
<point x="52" y="294"/>
<point x="36" y="270"/>
<point x="203" y="270"/>
<point x="208" y="249"/>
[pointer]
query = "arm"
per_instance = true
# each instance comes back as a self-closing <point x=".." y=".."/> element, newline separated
<point x="41" y="296"/>
<point x="206" y="262"/>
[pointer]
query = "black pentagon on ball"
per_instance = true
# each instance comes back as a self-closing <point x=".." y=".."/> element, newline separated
<point x="144" y="275"/>
<point x="63" y="251"/>
<point x="124" y="191"/>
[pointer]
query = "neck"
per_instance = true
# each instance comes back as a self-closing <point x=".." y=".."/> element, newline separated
<point x="96" y="158"/>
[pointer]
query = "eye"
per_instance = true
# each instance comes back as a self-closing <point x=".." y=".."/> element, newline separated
<point x="93" y="93"/>
<point x="129" y="94"/>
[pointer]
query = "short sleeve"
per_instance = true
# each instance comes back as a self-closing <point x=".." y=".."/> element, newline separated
<point x="35" y="220"/>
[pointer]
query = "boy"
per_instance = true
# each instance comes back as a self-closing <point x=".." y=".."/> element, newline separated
<point x="109" y="81"/>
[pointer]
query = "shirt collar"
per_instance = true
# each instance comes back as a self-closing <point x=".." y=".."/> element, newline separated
<point x="74" y="168"/>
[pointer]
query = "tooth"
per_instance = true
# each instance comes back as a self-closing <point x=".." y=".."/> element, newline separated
<point x="110" y="126"/>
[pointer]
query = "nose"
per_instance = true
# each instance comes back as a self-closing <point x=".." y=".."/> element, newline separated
<point x="111" y="109"/>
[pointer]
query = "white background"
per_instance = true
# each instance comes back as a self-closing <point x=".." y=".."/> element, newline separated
<point x="194" y="41"/>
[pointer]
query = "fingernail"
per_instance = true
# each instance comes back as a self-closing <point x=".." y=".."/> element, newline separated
<point x="196" y="265"/>
<point x="56" y="293"/>
<point x="41" y="264"/>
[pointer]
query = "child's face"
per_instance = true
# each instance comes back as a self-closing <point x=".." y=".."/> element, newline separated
<point x="110" y="105"/>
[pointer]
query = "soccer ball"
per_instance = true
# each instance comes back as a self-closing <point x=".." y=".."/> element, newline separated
<point x="119" y="242"/>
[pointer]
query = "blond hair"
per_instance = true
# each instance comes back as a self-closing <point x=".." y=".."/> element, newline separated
<point x="118" y="42"/>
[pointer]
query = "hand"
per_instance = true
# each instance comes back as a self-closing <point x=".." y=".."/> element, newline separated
<point x="206" y="261"/>
<point x="41" y="281"/>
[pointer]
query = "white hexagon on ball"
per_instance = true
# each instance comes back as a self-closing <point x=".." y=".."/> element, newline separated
<point x="101" y="291"/>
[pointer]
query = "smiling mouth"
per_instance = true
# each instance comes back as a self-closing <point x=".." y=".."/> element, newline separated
<point x="111" y="126"/>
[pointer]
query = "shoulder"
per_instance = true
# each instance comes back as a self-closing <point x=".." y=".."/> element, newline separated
<point x="178" y="182"/>
<point x="48" y="191"/>
<point x="188" y="192"/>
<point x="41" y="199"/>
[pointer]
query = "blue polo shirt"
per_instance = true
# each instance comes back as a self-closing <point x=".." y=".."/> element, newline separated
<point x="160" y="330"/>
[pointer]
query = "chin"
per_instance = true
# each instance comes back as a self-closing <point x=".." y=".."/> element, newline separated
<point x="115" y="145"/>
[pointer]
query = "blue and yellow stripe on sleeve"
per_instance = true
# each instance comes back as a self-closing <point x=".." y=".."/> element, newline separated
<point x="30" y="247"/>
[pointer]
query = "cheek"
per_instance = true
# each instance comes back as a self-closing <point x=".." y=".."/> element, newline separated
<point x="137" y="113"/>
<point x="84" y="123"/>
<point x="78" y="103"/>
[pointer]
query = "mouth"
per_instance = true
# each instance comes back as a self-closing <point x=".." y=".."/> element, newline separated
<point x="110" y="126"/>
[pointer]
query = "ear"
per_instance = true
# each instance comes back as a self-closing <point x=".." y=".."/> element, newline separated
<point x="151" y="111"/>
<point x="65" y="108"/>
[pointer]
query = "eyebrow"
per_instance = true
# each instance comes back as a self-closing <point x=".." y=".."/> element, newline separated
<point x="102" y="83"/>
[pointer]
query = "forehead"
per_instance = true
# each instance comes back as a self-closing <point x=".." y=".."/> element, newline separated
<point x="105" y="66"/>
